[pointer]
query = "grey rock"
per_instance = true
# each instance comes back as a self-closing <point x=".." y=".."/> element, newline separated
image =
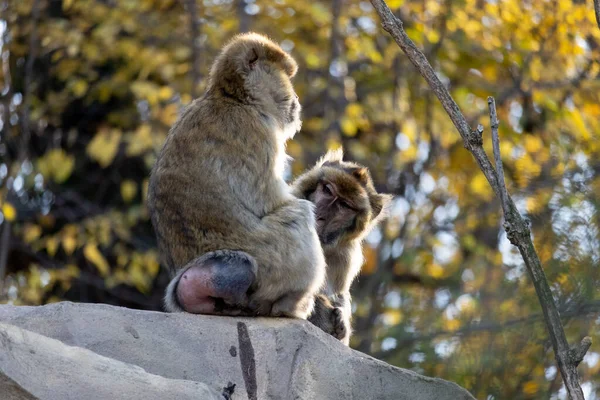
<point x="265" y="358"/>
<point x="33" y="366"/>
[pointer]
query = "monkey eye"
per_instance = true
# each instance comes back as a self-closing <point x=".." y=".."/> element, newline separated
<point x="328" y="189"/>
<point x="346" y="205"/>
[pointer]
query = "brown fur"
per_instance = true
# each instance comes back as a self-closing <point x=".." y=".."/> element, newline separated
<point x="347" y="208"/>
<point x="218" y="185"/>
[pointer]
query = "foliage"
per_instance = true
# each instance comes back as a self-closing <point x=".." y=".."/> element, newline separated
<point x="442" y="291"/>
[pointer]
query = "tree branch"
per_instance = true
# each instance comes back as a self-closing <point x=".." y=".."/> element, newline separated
<point x="491" y="326"/>
<point x="497" y="157"/>
<point x="517" y="228"/>
<point x="195" y="45"/>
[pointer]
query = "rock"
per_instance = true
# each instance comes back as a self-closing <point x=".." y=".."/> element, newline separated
<point x="265" y="358"/>
<point x="33" y="366"/>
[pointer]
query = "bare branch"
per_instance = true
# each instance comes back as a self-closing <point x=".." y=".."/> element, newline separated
<point x="195" y="45"/>
<point x="497" y="157"/>
<point x="578" y="352"/>
<point x="5" y="229"/>
<point x="244" y="18"/>
<point x="33" y="47"/>
<point x="582" y="310"/>
<point x="517" y="228"/>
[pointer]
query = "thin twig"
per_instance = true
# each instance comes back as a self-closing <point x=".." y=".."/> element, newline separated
<point x="517" y="228"/>
<point x="33" y="47"/>
<point x="4" y="250"/>
<point x="497" y="157"/>
<point x="196" y="47"/>
<point x="578" y="352"/>
<point x="491" y="326"/>
<point x="244" y="18"/>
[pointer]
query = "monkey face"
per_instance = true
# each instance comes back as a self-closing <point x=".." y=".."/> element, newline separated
<point x="346" y="202"/>
<point x="290" y="107"/>
<point x="336" y="215"/>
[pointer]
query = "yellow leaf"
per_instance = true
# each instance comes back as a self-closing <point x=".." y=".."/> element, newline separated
<point x="138" y="278"/>
<point x="103" y="147"/>
<point x="93" y="255"/>
<point x="69" y="243"/>
<point x="67" y="4"/>
<point x="479" y="185"/>
<point x="140" y="142"/>
<point x="79" y="87"/>
<point x="370" y="264"/>
<point x="165" y="93"/>
<point x="394" y="4"/>
<point x="150" y="261"/>
<point x="333" y="144"/>
<point x="528" y="169"/>
<point x="348" y="127"/>
<point x="532" y="144"/>
<point x="452" y="324"/>
<point x="408" y="155"/>
<point x="435" y="271"/>
<point x="128" y="190"/>
<point x="51" y="246"/>
<point x="169" y="114"/>
<point x="580" y="125"/>
<point x="530" y="388"/>
<point x="56" y="165"/>
<point x="354" y="110"/>
<point x="392" y="317"/>
<point x="409" y="128"/>
<point x="31" y="232"/>
<point x="533" y="205"/>
<point x="9" y="212"/>
<point x="312" y="60"/>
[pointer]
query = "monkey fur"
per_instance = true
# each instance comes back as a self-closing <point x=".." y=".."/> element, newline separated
<point x="229" y="229"/>
<point x="347" y="208"/>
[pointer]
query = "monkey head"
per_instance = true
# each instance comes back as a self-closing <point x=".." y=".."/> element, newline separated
<point x="346" y="202"/>
<point x="253" y="70"/>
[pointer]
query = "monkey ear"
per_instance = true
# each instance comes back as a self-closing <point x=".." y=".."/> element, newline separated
<point x="332" y="156"/>
<point x="380" y="204"/>
<point x="361" y="173"/>
<point x="252" y="58"/>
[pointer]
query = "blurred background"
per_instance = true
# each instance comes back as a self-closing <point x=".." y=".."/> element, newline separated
<point x="89" y="89"/>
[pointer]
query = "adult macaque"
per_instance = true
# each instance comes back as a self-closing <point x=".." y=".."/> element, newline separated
<point x="233" y="236"/>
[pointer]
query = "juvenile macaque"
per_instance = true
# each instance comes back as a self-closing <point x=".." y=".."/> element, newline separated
<point x="233" y="236"/>
<point x="347" y="208"/>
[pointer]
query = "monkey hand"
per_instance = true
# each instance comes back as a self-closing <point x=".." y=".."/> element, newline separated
<point x="296" y="213"/>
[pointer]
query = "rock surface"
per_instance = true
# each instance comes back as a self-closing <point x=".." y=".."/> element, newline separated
<point x="174" y="354"/>
<point x="35" y="366"/>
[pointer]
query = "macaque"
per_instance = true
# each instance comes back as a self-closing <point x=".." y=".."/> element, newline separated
<point x="347" y="208"/>
<point x="237" y="242"/>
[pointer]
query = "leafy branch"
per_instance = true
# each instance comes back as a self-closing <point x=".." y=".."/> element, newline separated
<point x="517" y="228"/>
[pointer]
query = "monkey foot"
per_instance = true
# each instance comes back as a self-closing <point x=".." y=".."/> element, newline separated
<point x="340" y="330"/>
<point x="216" y="283"/>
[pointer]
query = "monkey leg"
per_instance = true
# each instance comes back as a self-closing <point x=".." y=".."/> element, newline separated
<point x="215" y="283"/>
